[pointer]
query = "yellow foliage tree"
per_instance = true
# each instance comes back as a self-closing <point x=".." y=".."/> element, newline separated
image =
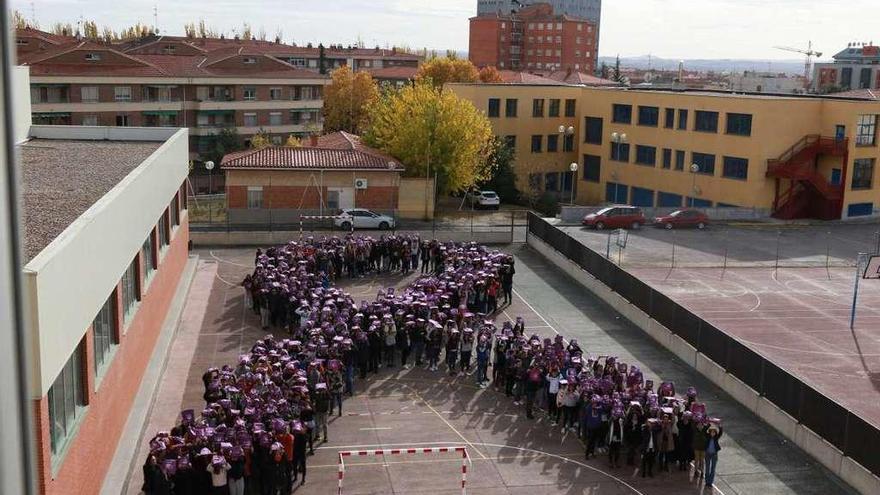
<point x="347" y="98"/>
<point x="490" y="75"/>
<point x="293" y="142"/>
<point x="432" y="131"/>
<point x="260" y="141"/>
<point x="442" y="70"/>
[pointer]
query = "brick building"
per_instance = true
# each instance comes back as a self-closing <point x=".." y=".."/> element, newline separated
<point x="534" y="39"/>
<point x="336" y="171"/>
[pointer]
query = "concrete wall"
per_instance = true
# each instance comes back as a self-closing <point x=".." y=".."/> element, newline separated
<point x="97" y="247"/>
<point x="574" y="214"/>
<point x="825" y="453"/>
<point x="416" y="199"/>
<point x="21" y="106"/>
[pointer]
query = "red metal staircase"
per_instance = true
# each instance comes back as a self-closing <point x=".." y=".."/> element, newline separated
<point x="809" y="194"/>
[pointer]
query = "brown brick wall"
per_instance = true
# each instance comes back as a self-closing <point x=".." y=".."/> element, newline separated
<point x="379" y="198"/>
<point x="236" y="196"/>
<point x="484" y="45"/>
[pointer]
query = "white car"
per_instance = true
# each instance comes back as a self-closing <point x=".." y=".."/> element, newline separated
<point x="361" y="218"/>
<point x="485" y="199"/>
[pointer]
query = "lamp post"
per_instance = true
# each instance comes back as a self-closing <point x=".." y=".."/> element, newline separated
<point x="574" y="168"/>
<point x="391" y="166"/>
<point x="209" y="166"/>
<point x="695" y="169"/>
<point x="617" y="138"/>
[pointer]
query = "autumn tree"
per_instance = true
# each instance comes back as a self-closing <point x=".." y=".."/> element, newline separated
<point x="432" y="131"/>
<point x="293" y="142"/>
<point x="63" y="29"/>
<point x="260" y="140"/>
<point x="440" y="71"/>
<point x="346" y="99"/>
<point x="490" y="75"/>
<point x="90" y="30"/>
<point x="19" y="21"/>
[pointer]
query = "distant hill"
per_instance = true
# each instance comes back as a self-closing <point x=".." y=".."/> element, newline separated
<point x="793" y="67"/>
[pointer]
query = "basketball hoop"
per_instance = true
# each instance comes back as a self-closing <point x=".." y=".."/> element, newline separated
<point x="872" y="269"/>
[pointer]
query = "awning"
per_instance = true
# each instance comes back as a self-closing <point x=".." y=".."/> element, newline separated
<point x="41" y="85"/>
<point x="169" y="113"/>
<point x="216" y="112"/>
<point x="51" y="114"/>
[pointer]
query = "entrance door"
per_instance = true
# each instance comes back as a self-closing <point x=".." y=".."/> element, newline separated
<point x="840" y="132"/>
<point x="835" y="176"/>
<point x="346" y="197"/>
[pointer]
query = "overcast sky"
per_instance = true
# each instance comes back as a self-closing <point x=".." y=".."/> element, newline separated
<point x="664" y="28"/>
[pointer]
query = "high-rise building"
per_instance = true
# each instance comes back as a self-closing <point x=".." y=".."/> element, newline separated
<point x="534" y="39"/>
<point x="586" y="9"/>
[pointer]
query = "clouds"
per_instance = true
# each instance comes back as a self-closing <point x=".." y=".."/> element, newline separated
<point x="666" y="28"/>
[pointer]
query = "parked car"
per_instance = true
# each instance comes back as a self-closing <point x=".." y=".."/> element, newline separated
<point x="485" y="199"/>
<point x="361" y="218"/>
<point x="683" y="218"/>
<point x="616" y="217"/>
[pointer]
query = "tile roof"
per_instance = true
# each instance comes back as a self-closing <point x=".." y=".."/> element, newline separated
<point x="403" y="73"/>
<point x="340" y="151"/>
<point x="580" y="78"/>
<point x="62" y="179"/>
<point x="862" y="94"/>
<point x="513" y="77"/>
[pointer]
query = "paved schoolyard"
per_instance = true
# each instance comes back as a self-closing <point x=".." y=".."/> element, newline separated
<point x="510" y="454"/>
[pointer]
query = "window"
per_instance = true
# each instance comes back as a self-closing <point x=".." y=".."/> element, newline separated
<point x="148" y="253"/>
<point x="89" y="94"/>
<point x="739" y="124"/>
<point x="593" y="130"/>
<point x="249" y="93"/>
<point x="104" y="328"/>
<point x="642" y="197"/>
<point x="580" y="27"/>
<point x="706" y="121"/>
<point x="122" y="93"/>
<point x="536" y="143"/>
<point x="130" y="294"/>
<point x="551" y="181"/>
<point x="866" y="130"/>
<point x="679" y="160"/>
<point x="649" y="116"/>
<point x="93" y="57"/>
<point x="668" y="200"/>
<point x="705" y="162"/>
<point x="90" y="119"/>
<point x="682" y="120"/>
<point x="592" y="167"/>
<point x="621" y="114"/>
<point x="122" y="120"/>
<point x="735" y="168"/>
<point x="698" y="203"/>
<point x="174" y="211"/>
<point x="494" y="107"/>
<point x="620" y="152"/>
<point x="863" y="173"/>
<point x="669" y="122"/>
<point x="568" y="143"/>
<point x="249" y="60"/>
<point x="510" y="106"/>
<point x="163" y="231"/>
<point x="860" y="209"/>
<point x="667" y="158"/>
<point x="552" y="143"/>
<point x="250" y="120"/>
<point x="646" y="155"/>
<point x="275" y="93"/>
<point x="578" y="40"/>
<point x="554" y="108"/>
<point x="66" y="403"/>
<point x="570" y="105"/>
<point x="169" y="49"/>
<point x="254" y="197"/>
<point x="510" y="141"/>
<point x="537" y="107"/>
<point x="275" y="118"/>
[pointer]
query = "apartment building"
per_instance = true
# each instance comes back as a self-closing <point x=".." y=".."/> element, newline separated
<point x="203" y="84"/>
<point x="855" y="67"/>
<point x="795" y="156"/>
<point x="534" y="39"/>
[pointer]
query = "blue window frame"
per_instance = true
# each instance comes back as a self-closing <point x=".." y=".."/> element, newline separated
<point x="642" y="197"/>
<point x="616" y="193"/>
<point x="646" y="155"/>
<point x="667" y="158"/>
<point x="537" y="142"/>
<point x="494" y="107"/>
<point x="620" y="152"/>
<point x="669" y="122"/>
<point x="649" y="116"/>
<point x="735" y="168"/>
<point x="706" y="121"/>
<point x="739" y="124"/>
<point x="668" y="200"/>
<point x="679" y="160"/>
<point x="551" y="181"/>
<point x="592" y="130"/>
<point x="705" y="161"/>
<point x="699" y="203"/>
<point x="725" y="205"/>
<point x="552" y="143"/>
<point x="592" y="168"/>
<point x="621" y="114"/>
<point x="859" y="209"/>
<point x="682" y="119"/>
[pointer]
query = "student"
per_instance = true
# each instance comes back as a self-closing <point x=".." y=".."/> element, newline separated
<point x="300" y="439"/>
<point x="713" y="447"/>
<point x="650" y="445"/>
<point x="699" y="445"/>
<point x="219" y="469"/>
<point x="553" y="378"/>
<point x="236" y="471"/>
<point x="615" y="437"/>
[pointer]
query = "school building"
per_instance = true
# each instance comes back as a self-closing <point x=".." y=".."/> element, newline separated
<point x="794" y="156"/>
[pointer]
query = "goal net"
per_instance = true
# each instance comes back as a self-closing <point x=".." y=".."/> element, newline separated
<point x="461" y="451"/>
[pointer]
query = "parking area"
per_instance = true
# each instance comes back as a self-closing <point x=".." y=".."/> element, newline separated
<point x="735" y="244"/>
<point x="416" y="408"/>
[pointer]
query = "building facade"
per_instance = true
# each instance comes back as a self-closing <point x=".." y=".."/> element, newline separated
<point x="855" y="67"/>
<point x="584" y="9"/>
<point x="795" y="156"/>
<point x="105" y="255"/>
<point x="534" y="39"/>
<point x="203" y="84"/>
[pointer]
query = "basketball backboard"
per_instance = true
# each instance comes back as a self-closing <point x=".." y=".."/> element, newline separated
<point x="873" y="268"/>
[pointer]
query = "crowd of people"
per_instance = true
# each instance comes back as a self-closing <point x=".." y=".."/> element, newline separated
<point x="264" y="415"/>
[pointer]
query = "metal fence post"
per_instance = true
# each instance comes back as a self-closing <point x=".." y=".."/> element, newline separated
<point x="512" y="214"/>
<point x="828" y="255"/>
<point x="776" y="266"/>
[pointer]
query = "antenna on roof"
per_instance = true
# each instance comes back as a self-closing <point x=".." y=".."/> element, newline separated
<point x="156" y="18"/>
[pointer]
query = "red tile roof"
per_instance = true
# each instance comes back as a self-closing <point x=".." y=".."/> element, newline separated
<point x="512" y="77"/>
<point x="337" y="151"/>
<point x="401" y="73"/>
<point x="580" y="78"/>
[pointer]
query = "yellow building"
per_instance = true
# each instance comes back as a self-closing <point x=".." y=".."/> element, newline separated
<point x="797" y="156"/>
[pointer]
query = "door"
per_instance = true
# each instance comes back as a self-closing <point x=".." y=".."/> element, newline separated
<point x="840" y="132"/>
<point x="835" y="176"/>
<point x="346" y="197"/>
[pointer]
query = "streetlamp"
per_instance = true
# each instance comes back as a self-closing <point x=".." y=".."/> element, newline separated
<point x="695" y="169"/>
<point x="574" y="168"/>
<point x="617" y="138"/>
<point x="209" y="166"/>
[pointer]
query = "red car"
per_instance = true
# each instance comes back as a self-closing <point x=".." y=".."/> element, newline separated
<point x="615" y="217"/>
<point x="683" y="218"/>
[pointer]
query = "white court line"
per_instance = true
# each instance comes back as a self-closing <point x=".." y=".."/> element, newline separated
<point x="227" y="262"/>
<point x="425" y="402"/>
<point x="536" y="312"/>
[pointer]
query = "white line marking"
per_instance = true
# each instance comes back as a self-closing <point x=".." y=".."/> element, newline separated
<point x="377" y="428"/>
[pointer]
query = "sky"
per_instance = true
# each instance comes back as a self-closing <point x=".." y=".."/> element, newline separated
<point x="677" y="29"/>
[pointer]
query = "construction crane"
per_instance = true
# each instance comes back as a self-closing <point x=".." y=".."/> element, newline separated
<point x="809" y="52"/>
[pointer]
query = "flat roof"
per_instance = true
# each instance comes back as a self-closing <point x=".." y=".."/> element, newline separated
<point x="62" y="178"/>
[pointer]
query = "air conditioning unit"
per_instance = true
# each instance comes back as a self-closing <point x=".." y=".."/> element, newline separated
<point x="360" y="183"/>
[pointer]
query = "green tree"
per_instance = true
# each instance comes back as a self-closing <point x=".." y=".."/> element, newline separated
<point x="347" y="98"/>
<point x="432" y="131"/>
<point x="502" y="179"/>
<point x="225" y="142"/>
<point x="443" y="70"/>
<point x="605" y="71"/>
<point x="615" y="73"/>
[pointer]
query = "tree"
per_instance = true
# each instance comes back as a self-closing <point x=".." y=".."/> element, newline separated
<point x="293" y="142"/>
<point x="90" y="30"/>
<point x="225" y="142"/>
<point x="440" y="71"/>
<point x="19" y="21"/>
<point x="615" y="73"/>
<point x="347" y="98"/>
<point x="502" y="179"/>
<point x="62" y="29"/>
<point x="260" y="140"/>
<point x="432" y="131"/>
<point x="490" y="75"/>
<point x="605" y="71"/>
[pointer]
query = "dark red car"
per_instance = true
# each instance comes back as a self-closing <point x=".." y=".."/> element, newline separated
<point x="683" y="219"/>
<point x="615" y="217"/>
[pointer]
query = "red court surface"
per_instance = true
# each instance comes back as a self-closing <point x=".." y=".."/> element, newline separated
<point x="796" y="317"/>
